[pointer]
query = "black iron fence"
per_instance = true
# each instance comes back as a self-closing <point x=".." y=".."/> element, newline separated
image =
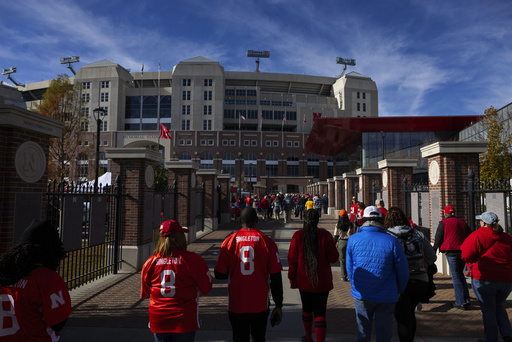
<point x="491" y="195"/>
<point x="415" y="202"/>
<point x="89" y="224"/>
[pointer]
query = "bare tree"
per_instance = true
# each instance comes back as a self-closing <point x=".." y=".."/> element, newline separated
<point x="62" y="101"/>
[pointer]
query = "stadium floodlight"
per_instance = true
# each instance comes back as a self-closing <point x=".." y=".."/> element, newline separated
<point x="345" y="61"/>
<point x="8" y="73"/>
<point x="258" y="55"/>
<point x="68" y="61"/>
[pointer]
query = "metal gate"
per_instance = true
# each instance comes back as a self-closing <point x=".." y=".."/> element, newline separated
<point x="416" y="202"/>
<point x="492" y="195"/>
<point x="89" y="224"/>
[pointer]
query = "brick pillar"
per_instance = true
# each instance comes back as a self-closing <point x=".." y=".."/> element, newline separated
<point x="366" y="179"/>
<point x="339" y="190"/>
<point x="135" y="166"/>
<point x="449" y="163"/>
<point x="393" y="173"/>
<point x="351" y="179"/>
<point x="25" y="138"/>
<point x="331" y="196"/>
<point x="225" y="199"/>
<point x="185" y="175"/>
<point x="211" y="203"/>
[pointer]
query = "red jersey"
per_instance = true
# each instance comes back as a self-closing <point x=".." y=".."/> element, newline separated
<point x="354" y="209"/>
<point x="249" y="257"/>
<point x="327" y="254"/>
<point x="172" y="284"/>
<point x="36" y="302"/>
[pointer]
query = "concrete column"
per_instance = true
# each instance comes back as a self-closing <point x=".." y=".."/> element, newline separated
<point x="25" y="140"/>
<point x="135" y="166"/>
<point x="393" y="173"/>
<point x="366" y="179"/>
<point x="331" y="195"/>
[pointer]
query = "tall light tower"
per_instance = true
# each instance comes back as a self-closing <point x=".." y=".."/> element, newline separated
<point x="68" y="61"/>
<point x="258" y="55"/>
<point x="345" y="62"/>
<point x="8" y="73"/>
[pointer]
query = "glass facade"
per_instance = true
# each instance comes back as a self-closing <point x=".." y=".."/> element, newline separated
<point x="149" y="112"/>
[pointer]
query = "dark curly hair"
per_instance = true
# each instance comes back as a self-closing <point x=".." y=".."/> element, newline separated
<point x="395" y="217"/>
<point x="310" y="240"/>
<point x="40" y="246"/>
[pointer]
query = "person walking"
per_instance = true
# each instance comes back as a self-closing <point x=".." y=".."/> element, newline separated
<point x="489" y="249"/>
<point x="172" y="278"/>
<point x="378" y="271"/>
<point x="344" y="228"/>
<point x="450" y="234"/>
<point x="288" y="206"/>
<point x="278" y="208"/>
<point x="250" y="259"/>
<point x="420" y="255"/>
<point x="35" y="301"/>
<point x="317" y="200"/>
<point x="380" y="204"/>
<point x="301" y="205"/>
<point x="311" y="252"/>
<point x="325" y="203"/>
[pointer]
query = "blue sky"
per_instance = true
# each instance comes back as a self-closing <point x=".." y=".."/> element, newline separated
<point x="435" y="57"/>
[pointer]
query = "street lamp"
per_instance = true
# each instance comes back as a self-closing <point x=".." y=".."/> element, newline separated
<point x="98" y="114"/>
<point x="240" y="177"/>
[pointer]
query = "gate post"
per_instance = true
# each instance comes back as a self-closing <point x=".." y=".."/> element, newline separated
<point x="366" y="178"/>
<point x="339" y="191"/>
<point x="351" y="179"/>
<point x="393" y="173"/>
<point x="210" y="203"/>
<point x="184" y="173"/>
<point x="225" y="197"/>
<point x="471" y="199"/>
<point x="331" y="197"/>
<point x="135" y="166"/>
<point x="25" y="140"/>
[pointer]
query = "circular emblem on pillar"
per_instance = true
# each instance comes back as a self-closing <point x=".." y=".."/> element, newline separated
<point x="385" y="179"/>
<point x="193" y="180"/>
<point x="433" y="172"/>
<point x="30" y="162"/>
<point x="149" y="176"/>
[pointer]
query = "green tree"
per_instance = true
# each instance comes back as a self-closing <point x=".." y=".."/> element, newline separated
<point x="62" y="102"/>
<point x="496" y="162"/>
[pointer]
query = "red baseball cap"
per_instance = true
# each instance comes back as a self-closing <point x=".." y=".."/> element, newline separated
<point x="171" y="227"/>
<point x="448" y="209"/>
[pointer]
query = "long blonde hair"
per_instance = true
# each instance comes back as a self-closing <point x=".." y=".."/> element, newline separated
<point x="166" y="244"/>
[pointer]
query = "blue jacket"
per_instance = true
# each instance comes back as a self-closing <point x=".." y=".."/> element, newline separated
<point x="376" y="265"/>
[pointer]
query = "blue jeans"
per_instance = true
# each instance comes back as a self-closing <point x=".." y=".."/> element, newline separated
<point x="366" y="312"/>
<point x="460" y="286"/>
<point x="175" y="337"/>
<point x="492" y="296"/>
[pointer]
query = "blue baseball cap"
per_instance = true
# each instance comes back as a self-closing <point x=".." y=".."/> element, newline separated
<point x="488" y="217"/>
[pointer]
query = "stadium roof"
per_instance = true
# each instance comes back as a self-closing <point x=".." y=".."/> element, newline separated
<point x="331" y="136"/>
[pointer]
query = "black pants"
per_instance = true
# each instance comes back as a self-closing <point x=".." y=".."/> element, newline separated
<point x="245" y="325"/>
<point x="315" y="302"/>
<point x="405" y="308"/>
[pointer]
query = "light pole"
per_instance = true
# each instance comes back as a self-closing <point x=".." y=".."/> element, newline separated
<point x="240" y="177"/>
<point x="98" y="114"/>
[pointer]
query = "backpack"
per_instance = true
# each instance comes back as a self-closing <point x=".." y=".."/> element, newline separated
<point x="412" y="243"/>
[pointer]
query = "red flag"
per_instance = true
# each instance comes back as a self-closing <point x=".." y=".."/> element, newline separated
<point x="304" y="118"/>
<point x="164" y="132"/>
<point x="317" y="116"/>
<point x="262" y="118"/>
<point x="243" y="117"/>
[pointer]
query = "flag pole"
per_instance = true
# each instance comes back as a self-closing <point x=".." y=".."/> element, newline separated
<point x="158" y="108"/>
<point x="141" y="95"/>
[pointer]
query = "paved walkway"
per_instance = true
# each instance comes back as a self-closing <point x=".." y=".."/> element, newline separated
<point x="110" y="309"/>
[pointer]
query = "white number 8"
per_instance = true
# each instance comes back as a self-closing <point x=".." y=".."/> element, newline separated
<point x="8" y="314"/>
<point x="167" y="279"/>
<point x="247" y="260"/>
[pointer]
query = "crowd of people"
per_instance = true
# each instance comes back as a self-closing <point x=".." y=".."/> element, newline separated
<point x="275" y="206"/>
<point x="387" y="260"/>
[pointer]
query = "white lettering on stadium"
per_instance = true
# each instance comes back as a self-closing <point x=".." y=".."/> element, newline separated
<point x="169" y="261"/>
<point x="247" y="238"/>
